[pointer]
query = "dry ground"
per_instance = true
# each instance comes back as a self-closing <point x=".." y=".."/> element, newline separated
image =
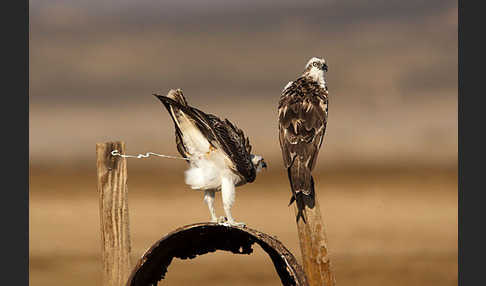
<point x="384" y="227"/>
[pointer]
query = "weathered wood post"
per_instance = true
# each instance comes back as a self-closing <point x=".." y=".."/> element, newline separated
<point x="313" y="246"/>
<point x="115" y="235"/>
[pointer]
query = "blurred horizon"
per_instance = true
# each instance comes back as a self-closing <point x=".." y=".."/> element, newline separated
<point x="392" y="75"/>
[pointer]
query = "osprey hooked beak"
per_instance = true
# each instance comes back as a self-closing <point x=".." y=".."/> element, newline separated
<point x="258" y="162"/>
<point x="264" y="165"/>
<point x="324" y="67"/>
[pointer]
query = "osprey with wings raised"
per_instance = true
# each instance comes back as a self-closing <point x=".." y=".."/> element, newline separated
<point x="302" y="114"/>
<point x="218" y="152"/>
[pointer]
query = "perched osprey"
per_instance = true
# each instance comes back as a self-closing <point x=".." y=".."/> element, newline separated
<point x="302" y="115"/>
<point x="218" y="152"/>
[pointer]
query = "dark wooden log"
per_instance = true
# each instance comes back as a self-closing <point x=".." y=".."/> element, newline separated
<point x="201" y="238"/>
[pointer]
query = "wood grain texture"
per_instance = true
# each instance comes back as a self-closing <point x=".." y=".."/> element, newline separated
<point x="313" y="246"/>
<point x="115" y="232"/>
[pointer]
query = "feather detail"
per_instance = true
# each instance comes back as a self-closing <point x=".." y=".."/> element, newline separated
<point x="302" y="111"/>
<point x="221" y="135"/>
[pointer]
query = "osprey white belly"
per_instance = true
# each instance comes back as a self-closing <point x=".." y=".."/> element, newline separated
<point x="207" y="165"/>
<point x="206" y="172"/>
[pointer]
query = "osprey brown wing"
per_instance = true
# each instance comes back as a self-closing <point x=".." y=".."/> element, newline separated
<point x="302" y="114"/>
<point x="233" y="141"/>
<point x="218" y="132"/>
<point x="236" y="145"/>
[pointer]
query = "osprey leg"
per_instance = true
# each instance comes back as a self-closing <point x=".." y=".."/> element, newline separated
<point x="228" y="195"/>
<point x="209" y="199"/>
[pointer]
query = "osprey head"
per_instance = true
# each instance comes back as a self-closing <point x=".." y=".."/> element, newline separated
<point x="258" y="162"/>
<point x="316" y="64"/>
<point x="315" y="69"/>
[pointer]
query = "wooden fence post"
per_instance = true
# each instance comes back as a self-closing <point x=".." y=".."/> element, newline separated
<point x="115" y="235"/>
<point x="313" y="246"/>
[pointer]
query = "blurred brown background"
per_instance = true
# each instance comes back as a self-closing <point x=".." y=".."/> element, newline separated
<point x="387" y="171"/>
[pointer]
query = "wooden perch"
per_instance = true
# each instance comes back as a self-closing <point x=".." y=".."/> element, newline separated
<point x="115" y="234"/>
<point x="201" y="238"/>
<point x="313" y="246"/>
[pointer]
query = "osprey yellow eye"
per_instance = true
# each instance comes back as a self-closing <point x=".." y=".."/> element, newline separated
<point x="314" y="64"/>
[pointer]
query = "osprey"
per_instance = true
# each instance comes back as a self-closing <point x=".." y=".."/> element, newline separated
<point x="302" y="115"/>
<point x="218" y="152"/>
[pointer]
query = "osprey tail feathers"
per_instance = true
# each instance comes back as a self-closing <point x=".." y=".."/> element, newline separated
<point x="302" y="184"/>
